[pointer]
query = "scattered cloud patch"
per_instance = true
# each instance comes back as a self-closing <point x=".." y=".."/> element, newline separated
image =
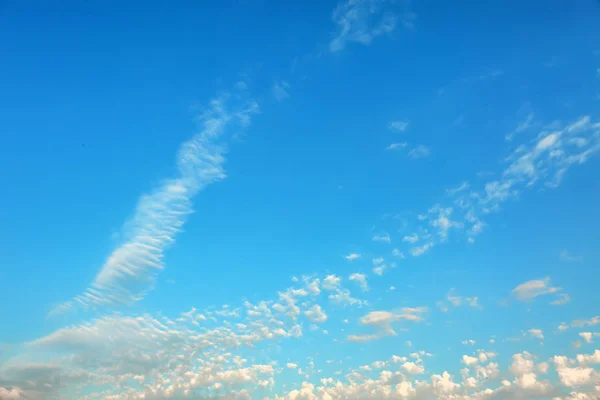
<point x="398" y="126"/>
<point x="420" y="151"/>
<point x="280" y="90"/>
<point x="396" y="146"/>
<point x="361" y="21"/>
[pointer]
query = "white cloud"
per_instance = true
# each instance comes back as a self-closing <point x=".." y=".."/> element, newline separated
<point x="331" y="282"/>
<point x="521" y="127"/>
<point x="420" y="250"/>
<point x="398" y="126"/>
<point x="587" y="336"/>
<point x="280" y="90"/>
<point x="396" y="146"/>
<point x="534" y="288"/>
<point x="385" y="238"/>
<point x="566" y="257"/>
<point x="579" y="323"/>
<point x="316" y="314"/>
<point x="129" y="272"/>
<point x="413" y="368"/>
<point x="383" y="319"/>
<point x="468" y="360"/>
<point x="414" y="238"/>
<point x="361" y="21"/>
<point x="362" y="338"/>
<point x="397" y="253"/>
<point x="420" y="151"/>
<point x="536" y="333"/>
<point x="561" y="299"/>
<point x="463" y="186"/>
<point x="343" y="297"/>
<point x="378" y="260"/>
<point x="361" y="281"/>
<point x="352" y="256"/>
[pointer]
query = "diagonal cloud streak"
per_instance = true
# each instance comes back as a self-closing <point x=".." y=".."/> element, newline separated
<point x="129" y="272"/>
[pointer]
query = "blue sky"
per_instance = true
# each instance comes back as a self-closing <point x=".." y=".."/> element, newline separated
<point x="367" y="199"/>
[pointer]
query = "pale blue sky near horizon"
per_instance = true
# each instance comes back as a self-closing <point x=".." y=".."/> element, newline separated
<point x="391" y="141"/>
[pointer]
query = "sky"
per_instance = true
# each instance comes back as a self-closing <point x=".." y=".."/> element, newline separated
<point x="300" y="200"/>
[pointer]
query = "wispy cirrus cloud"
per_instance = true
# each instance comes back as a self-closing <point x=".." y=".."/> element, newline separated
<point x="542" y="160"/>
<point x="361" y="21"/>
<point x="129" y="272"/>
<point x="398" y="126"/>
<point x="421" y="151"/>
<point x="396" y="146"/>
<point x="565" y="256"/>
<point x="280" y="90"/>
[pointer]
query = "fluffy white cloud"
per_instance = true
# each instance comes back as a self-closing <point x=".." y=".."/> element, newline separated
<point x="316" y="314"/>
<point x="361" y="281"/>
<point x="352" y="256"/>
<point x="331" y="282"/>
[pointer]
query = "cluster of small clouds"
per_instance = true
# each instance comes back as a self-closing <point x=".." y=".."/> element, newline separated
<point x="453" y="300"/>
<point x="480" y="379"/>
<point x="419" y="151"/>
<point x="543" y="159"/>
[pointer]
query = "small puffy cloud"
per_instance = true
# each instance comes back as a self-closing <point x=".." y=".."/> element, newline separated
<point x="587" y="336"/>
<point x="413" y="368"/>
<point x="536" y="333"/>
<point x="291" y="365"/>
<point x="420" y="151"/>
<point x="316" y="314"/>
<point x="11" y="394"/>
<point x="398" y="126"/>
<point x="534" y="288"/>
<point x="352" y="256"/>
<point x="412" y="239"/>
<point x="469" y="341"/>
<point x="468" y="360"/>
<point x="361" y="281"/>
<point x="331" y="282"/>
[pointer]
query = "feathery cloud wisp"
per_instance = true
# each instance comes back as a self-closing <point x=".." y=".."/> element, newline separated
<point x="129" y="272"/>
<point x="361" y="21"/>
